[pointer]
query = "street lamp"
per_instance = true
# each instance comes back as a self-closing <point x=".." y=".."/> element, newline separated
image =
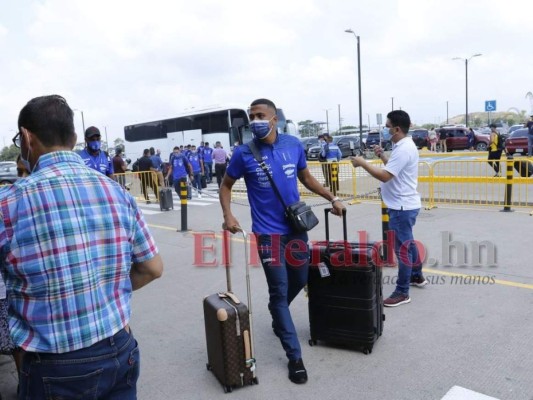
<point x="82" y="120"/>
<point x="327" y="119"/>
<point x="359" y="84"/>
<point x="466" y="74"/>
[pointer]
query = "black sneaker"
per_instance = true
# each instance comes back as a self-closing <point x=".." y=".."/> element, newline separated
<point x="418" y="281"/>
<point x="297" y="371"/>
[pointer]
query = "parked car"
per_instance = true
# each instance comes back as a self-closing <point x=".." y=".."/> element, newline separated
<point x="514" y="128"/>
<point x="8" y="172"/>
<point x="308" y="142"/>
<point x="375" y="137"/>
<point x="517" y="142"/>
<point x="348" y="144"/>
<point x="420" y="137"/>
<point x="457" y="139"/>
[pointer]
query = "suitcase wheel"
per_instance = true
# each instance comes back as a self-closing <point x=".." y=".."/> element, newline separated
<point x="367" y="350"/>
<point x="312" y="342"/>
<point x="228" y="389"/>
<point x="208" y="367"/>
<point x="255" y="381"/>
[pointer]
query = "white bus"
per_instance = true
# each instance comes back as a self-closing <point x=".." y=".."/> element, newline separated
<point x="226" y="125"/>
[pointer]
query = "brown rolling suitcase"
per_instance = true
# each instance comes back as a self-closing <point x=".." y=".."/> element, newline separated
<point x="228" y="331"/>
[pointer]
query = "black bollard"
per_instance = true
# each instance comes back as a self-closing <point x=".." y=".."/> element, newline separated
<point x="508" y="199"/>
<point x="183" y="200"/>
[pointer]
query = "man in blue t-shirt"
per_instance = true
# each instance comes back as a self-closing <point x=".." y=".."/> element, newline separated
<point x="197" y="165"/>
<point x="286" y="276"/>
<point x="93" y="156"/>
<point x="207" y="155"/>
<point x="180" y="167"/>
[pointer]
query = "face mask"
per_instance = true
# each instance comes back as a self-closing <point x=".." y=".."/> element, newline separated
<point x="25" y="160"/>
<point x="261" y="128"/>
<point x="94" y="145"/>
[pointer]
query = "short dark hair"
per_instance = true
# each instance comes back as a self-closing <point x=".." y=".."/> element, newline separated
<point x="401" y="119"/>
<point x="176" y="147"/>
<point x="152" y="151"/>
<point x="146" y="152"/>
<point x="50" y="119"/>
<point x="492" y="126"/>
<point x="266" y="102"/>
<point x="118" y="151"/>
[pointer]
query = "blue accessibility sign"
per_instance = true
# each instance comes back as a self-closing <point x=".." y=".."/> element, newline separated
<point x="490" y="105"/>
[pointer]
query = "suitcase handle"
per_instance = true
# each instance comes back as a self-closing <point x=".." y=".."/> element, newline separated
<point x="344" y="225"/>
<point x="226" y="244"/>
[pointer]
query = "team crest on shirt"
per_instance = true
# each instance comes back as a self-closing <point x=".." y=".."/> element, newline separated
<point x="289" y="170"/>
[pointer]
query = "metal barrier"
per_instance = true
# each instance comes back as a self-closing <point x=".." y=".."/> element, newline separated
<point x="448" y="181"/>
<point x="137" y="182"/>
<point x="473" y="182"/>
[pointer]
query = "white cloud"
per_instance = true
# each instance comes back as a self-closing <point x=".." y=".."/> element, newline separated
<point x="126" y="61"/>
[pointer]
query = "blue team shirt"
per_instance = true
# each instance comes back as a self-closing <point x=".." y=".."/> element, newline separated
<point x="101" y="162"/>
<point x="156" y="162"/>
<point x="179" y="166"/>
<point x="284" y="159"/>
<point x="207" y="154"/>
<point x="194" y="159"/>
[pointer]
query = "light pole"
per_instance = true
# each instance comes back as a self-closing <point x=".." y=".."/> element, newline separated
<point x="466" y="81"/>
<point x="82" y="119"/>
<point x="392" y="100"/>
<point x="327" y="119"/>
<point x="447" y="112"/>
<point x="359" y="84"/>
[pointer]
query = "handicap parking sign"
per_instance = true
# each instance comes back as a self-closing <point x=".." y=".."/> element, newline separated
<point x="490" y="105"/>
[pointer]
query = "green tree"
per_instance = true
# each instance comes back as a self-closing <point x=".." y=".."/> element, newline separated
<point x="9" y="153"/>
<point x="306" y="128"/>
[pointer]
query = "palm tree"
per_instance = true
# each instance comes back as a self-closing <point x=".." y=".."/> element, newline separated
<point x="529" y="96"/>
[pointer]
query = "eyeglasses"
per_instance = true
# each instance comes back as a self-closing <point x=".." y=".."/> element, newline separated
<point x="16" y="139"/>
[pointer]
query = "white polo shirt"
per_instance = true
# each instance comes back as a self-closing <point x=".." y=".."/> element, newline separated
<point x="400" y="193"/>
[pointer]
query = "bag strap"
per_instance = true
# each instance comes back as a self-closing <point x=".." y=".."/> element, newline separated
<point x="255" y="151"/>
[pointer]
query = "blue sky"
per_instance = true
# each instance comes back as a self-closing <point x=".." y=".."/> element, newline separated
<point x="130" y="61"/>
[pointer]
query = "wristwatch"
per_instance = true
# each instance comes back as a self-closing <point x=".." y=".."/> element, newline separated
<point x="333" y="200"/>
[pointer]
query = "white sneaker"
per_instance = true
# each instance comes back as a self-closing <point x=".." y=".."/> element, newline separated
<point x="199" y="195"/>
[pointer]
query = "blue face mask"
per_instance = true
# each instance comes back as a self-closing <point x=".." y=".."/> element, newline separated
<point x="94" y="145"/>
<point x="261" y="128"/>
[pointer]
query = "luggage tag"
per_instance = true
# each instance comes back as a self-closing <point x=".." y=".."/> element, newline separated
<point x="323" y="269"/>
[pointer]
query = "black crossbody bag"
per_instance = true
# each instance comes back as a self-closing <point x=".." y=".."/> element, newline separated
<point x="300" y="216"/>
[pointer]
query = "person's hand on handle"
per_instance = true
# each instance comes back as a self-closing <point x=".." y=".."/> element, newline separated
<point x="231" y="224"/>
<point x="337" y="208"/>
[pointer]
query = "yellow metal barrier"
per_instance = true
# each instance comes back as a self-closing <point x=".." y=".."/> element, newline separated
<point x="444" y="181"/>
<point x="137" y="182"/>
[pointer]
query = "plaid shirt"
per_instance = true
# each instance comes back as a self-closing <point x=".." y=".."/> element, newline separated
<point x="68" y="236"/>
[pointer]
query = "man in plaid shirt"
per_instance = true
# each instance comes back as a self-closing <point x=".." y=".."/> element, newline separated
<point x="73" y="247"/>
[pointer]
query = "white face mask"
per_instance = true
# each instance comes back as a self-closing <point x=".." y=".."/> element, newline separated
<point x="26" y="161"/>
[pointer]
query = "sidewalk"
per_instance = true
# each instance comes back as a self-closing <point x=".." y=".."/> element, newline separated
<point x="460" y="330"/>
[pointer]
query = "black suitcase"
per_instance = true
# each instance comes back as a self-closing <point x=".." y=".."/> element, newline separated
<point x="524" y="168"/>
<point x="229" y="333"/>
<point x="166" y="201"/>
<point x="345" y="293"/>
<point x="203" y="182"/>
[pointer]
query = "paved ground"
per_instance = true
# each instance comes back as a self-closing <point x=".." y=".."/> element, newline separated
<point x="459" y="338"/>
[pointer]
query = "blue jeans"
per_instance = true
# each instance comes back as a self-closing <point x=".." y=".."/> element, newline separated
<point x="529" y="145"/>
<point x="198" y="181"/>
<point x="208" y="166"/>
<point x="286" y="269"/>
<point x="401" y="224"/>
<point x="107" y="370"/>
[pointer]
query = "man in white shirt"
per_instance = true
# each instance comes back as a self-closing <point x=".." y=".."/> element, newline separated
<point x="399" y="180"/>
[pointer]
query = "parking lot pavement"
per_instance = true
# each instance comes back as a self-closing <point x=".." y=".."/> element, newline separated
<point x="465" y="334"/>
